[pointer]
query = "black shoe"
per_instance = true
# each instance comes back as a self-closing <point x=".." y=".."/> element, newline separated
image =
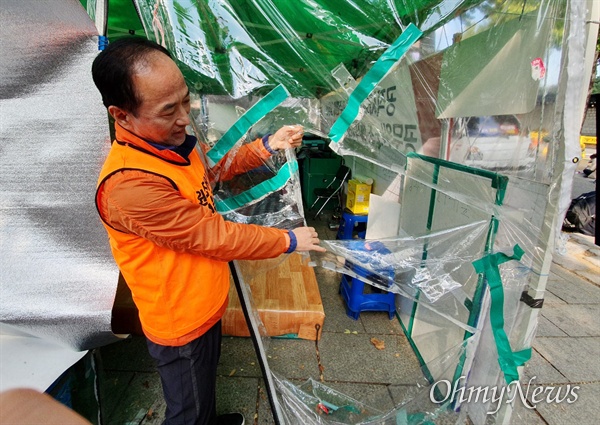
<point x="231" y="419"/>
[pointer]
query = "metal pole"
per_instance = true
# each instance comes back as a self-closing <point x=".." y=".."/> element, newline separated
<point x="595" y="98"/>
<point x="258" y="346"/>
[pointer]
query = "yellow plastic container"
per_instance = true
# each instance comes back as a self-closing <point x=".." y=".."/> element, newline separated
<point x="357" y="200"/>
<point x="587" y="140"/>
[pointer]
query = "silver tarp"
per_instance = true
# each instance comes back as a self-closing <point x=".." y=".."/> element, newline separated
<point x="58" y="277"/>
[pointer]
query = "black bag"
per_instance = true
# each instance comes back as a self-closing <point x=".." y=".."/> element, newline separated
<point x="581" y="215"/>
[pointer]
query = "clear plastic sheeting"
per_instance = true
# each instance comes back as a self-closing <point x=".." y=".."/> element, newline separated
<point x="456" y="110"/>
<point x="480" y="90"/>
<point x="241" y="47"/>
<point x="309" y="395"/>
<point x="269" y="194"/>
<point x="462" y="91"/>
<point x="397" y="264"/>
<point x="317" y="399"/>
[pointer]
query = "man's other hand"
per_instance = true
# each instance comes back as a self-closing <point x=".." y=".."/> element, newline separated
<point x="288" y="136"/>
<point x="307" y="239"/>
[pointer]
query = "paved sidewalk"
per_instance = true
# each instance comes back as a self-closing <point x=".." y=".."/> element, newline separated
<point x="566" y="350"/>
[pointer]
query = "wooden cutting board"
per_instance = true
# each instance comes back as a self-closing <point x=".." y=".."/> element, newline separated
<point x="286" y="295"/>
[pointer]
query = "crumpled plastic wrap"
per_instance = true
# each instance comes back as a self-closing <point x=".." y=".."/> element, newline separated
<point x="397" y="264"/>
<point x="456" y="109"/>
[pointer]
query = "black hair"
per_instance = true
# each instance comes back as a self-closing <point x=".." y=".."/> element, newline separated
<point x="114" y="67"/>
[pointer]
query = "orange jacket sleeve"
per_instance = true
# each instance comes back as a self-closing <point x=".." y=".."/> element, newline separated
<point x="148" y="206"/>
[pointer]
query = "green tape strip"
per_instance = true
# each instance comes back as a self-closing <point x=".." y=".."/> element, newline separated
<point x="372" y="78"/>
<point x="260" y="190"/>
<point x="508" y="360"/>
<point x="243" y="124"/>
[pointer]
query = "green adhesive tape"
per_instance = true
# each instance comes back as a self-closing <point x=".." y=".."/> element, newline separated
<point x="260" y="190"/>
<point x="243" y="124"/>
<point x="508" y="360"/>
<point x="372" y="78"/>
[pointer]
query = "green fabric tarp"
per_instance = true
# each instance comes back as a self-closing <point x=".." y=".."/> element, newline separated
<point x="325" y="33"/>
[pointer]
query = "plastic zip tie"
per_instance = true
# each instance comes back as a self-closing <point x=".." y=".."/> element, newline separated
<point x="102" y="42"/>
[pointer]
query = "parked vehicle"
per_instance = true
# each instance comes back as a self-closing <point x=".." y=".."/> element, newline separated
<point x="491" y="142"/>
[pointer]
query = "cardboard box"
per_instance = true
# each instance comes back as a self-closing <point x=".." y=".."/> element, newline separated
<point x="357" y="200"/>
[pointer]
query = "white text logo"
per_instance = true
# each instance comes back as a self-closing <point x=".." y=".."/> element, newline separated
<point x="443" y="391"/>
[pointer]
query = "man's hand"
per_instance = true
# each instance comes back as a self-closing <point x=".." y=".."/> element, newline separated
<point x="288" y="136"/>
<point x="307" y="239"/>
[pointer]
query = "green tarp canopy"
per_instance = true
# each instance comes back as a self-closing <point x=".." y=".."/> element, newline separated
<point x="296" y="44"/>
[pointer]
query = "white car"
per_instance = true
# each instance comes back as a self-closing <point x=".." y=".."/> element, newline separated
<point x="492" y="143"/>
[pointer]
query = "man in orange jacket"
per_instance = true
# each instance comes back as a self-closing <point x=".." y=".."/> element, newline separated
<point x="155" y="200"/>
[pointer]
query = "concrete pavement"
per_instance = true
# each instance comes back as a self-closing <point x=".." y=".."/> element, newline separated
<point x="566" y="350"/>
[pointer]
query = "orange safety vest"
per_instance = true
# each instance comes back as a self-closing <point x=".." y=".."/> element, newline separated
<point x="175" y="292"/>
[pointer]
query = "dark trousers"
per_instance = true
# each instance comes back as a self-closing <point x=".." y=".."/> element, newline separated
<point x="188" y="375"/>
